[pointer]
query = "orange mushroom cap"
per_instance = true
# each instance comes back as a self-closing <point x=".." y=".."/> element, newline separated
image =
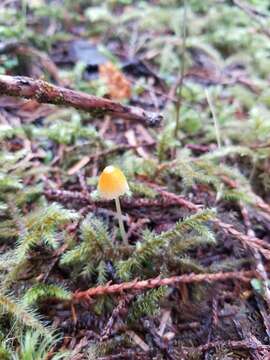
<point x="112" y="183"/>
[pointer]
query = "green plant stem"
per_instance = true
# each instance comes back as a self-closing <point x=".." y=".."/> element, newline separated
<point x="120" y="220"/>
<point x="217" y="131"/>
<point x="181" y="79"/>
<point x="213" y="112"/>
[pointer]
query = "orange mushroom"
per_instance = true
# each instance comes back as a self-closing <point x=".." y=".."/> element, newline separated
<point x="112" y="183"/>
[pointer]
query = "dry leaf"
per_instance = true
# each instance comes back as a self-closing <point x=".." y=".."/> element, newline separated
<point x="119" y="87"/>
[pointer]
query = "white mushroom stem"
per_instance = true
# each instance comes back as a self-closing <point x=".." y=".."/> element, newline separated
<point x="120" y="220"/>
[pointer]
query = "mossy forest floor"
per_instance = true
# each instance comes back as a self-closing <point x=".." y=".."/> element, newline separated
<point x="199" y="204"/>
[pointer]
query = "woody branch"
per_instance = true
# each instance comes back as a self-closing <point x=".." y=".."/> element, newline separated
<point x="44" y="92"/>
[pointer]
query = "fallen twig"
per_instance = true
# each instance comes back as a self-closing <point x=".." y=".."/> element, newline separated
<point x="44" y="92"/>
<point x="119" y="310"/>
<point x="250" y="241"/>
<point x="23" y="49"/>
<point x="127" y="203"/>
<point x="86" y="159"/>
<point x="138" y="340"/>
<point x="159" y="342"/>
<point x="232" y="344"/>
<point x="107" y="289"/>
<point x="253" y="14"/>
<point x="166" y="199"/>
<point x="128" y="354"/>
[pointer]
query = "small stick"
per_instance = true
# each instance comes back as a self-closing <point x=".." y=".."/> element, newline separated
<point x="138" y="340"/>
<point x="244" y="276"/>
<point x="233" y="344"/>
<point x="86" y="159"/>
<point x="79" y="197"/>
<point x="167" y="199"/>
<point x="47" y="93"/>
<point x="253" y="14"/>
<point x="119" y="311"/>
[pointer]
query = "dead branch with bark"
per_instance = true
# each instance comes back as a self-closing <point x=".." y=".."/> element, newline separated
<point x="44" y="92"/>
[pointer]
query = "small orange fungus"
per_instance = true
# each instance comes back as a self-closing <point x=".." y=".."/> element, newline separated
<point x="112" y="183"/>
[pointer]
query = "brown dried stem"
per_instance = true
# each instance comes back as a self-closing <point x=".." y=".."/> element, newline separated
<point x="230" y="344"/>
<point x="166" y="199"/>
<point x="102" y="154"/>
<point x="107" y="289"/>
<point x="45" y="92"/>
<point x="253" y="14"/>
<point x="251" y="241"/>
<point x="233" y="344"/>
<point x="127" y="203"/>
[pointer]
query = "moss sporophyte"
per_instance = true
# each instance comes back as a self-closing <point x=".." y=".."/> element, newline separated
<point x="112" y="184"/>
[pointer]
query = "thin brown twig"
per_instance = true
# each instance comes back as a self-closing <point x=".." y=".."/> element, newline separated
<point x="167" y="199"/>
<point x="22" y="48"/>
<point x="233" y="344"/>
<point x="107" y="152"/>
<point x="158" y="340"/>
<point x="260" y="146"/>
<point x="258" y="201"/>
<point x="258" y="259"/>
<point x="119" y="310"/>
<point x="128" y="354"/>
<point x="76" y="196"/>
<point x="107" y="289"/>
<point x="264" y="313"/>
<point x="44" y="92"/>
<point x="250" y="241"/>
<point x="166" y="195"/>
<point x="253" y="14"/>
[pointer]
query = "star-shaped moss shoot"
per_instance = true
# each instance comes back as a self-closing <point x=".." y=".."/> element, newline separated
<point x="112" y="184"/>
